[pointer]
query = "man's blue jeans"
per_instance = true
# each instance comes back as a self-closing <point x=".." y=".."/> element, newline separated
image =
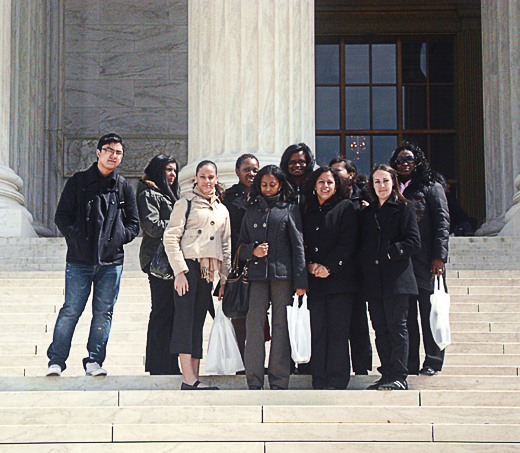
<point x="78" y="283"/>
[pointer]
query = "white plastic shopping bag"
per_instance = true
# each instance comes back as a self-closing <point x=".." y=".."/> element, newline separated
<point x="223" y="353"/>
<point x="440" y="314"/>
<point x="299" y="322"/>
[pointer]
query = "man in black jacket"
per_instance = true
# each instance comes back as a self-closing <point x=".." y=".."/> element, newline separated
<point x="97" y="214"/>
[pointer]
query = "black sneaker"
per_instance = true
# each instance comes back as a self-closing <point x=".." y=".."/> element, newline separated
<point x="398" y="384"/>
<point x="377" y="384"/>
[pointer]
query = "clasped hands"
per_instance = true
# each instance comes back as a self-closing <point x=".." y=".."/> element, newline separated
<point x="318" y="270"/>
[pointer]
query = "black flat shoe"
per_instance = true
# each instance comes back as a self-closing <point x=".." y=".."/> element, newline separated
<point x="255" y="387"/>
<point x="195" y="386"/>
<point x="276" y="387"/>
<point x="427" y="371"/>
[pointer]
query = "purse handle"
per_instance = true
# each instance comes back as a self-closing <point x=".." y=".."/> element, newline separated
<point x="236" y="261"/>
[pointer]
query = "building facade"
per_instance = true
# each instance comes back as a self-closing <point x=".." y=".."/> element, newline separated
<point x="352" y="78"/>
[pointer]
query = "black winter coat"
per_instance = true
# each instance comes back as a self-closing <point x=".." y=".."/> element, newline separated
<point x="235" y="201"/>
<point x="389" y="230"/>
<point x="97" y="215"/>
<point x="279" y="224"/>
<point x="329" y="234"/>
<point x="155" y="209"/>
<point x="431" y="208"/>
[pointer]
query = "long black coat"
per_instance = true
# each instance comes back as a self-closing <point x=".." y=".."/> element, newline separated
<point x="279" y="224"/>
<point x="388" y="231"/>
<point x="97" y="215"/>
<point x="235" y="201"/>
<point x="329" y="234"/>
<point x="431" y="208"/>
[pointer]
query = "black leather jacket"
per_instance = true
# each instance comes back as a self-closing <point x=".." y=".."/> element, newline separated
<point x="97" y="215"/>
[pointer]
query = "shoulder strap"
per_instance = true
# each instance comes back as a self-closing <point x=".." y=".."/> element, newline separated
<point x="188" y="209"/>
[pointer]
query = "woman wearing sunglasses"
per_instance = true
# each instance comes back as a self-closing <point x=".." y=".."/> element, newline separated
<point x="417" y="183"/>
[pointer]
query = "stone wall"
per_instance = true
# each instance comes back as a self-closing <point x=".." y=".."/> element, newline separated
<point x="125" y="71"/>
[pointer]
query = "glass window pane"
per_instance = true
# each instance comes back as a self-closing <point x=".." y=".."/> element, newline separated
<point x="414" y="62"/>
<point x="442" y="107"/>
<point x="357" y="107"/>
<point x="440" y="54"/>
<point x="358" y="151"/>
<point x="327" y="108"/>
<point x="384" y="104"/>
<point x="442" y="155"/>
<point x="327" y="64"/>
<point x="382" y="148"/>
<point x="415" y="108"/>
<point x="383" y="63"/>
<point x="326" y="148"/>
<point x="356" y="63"/>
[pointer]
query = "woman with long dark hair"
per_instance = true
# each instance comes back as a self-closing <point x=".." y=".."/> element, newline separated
<point x="389" y="236"/>
<point x="198" y="244"/>
<point x="271" y="238"/>
<point x="329" y="232"/>
<point x="297" y="163"/>
<point x="157" y="192"/>
<point x="418" y="184"/>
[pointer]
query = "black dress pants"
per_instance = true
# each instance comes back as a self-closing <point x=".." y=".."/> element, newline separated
<point x="190" y="313"/>
<point x="434" y="356"/>
<point x="160" y="325"/>
<point x="330" y="324"/>
<point x="360" y="346"/>
<point x="388" y="315"/>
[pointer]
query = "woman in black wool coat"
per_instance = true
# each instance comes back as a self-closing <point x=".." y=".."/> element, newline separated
<point x="417" y="183"/>
<point x="329" y="234"/>
<point x="389" y="236"/>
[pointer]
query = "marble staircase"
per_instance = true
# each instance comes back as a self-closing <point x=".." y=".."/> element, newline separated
<point x="473" y="405"/>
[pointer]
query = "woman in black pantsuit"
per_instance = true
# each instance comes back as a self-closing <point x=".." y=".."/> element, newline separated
<point x="157" y="192"/>
<point x="389" y="236"/>
<point x="329" y="233"/>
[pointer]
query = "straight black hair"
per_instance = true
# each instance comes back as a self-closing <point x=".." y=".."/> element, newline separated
<point x="110" y="138"/>
<point x="287" y="192"/>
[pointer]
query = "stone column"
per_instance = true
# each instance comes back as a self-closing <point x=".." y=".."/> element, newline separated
<point x="250" y="82"/>
<point x="15" y="220"/>
<point x="501" y="82"/>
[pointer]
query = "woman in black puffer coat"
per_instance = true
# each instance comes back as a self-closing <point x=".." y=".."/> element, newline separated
<point x="428" y="198"/>
<point x="157" y="192"/>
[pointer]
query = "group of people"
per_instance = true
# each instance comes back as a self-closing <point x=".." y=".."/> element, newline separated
<point x="327" y="232"/>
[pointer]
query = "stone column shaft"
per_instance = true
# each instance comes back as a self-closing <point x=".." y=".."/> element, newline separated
<point x="250" y="82"/>
<point x="501" y="82"/>
<point x="15" y="220"/>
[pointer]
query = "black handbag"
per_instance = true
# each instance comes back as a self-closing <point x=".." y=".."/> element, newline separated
<point x="235" y="302"/>
<point x="160" y="266"/>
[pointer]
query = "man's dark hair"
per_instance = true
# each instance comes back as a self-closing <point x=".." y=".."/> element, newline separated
<point x="287" y="193"/>
<point x="349" y="165"/>
<point x="110" y="138"/>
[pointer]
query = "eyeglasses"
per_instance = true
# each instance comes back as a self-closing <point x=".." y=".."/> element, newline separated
<point x="300" y="162"/>
<point x="109" y="150"/>
<point x="402" y="159"/>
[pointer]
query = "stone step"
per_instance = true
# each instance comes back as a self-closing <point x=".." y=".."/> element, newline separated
<point x="81" y="382"/>
<point x="154" y="447"/>
<point x="478" y="337"/>
<point x="254" y="414"/>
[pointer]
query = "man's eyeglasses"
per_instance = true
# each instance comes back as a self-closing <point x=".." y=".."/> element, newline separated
<point x="402" y="159"/>
<point x="301" y="162"/>
<point x="109" y="150"/>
